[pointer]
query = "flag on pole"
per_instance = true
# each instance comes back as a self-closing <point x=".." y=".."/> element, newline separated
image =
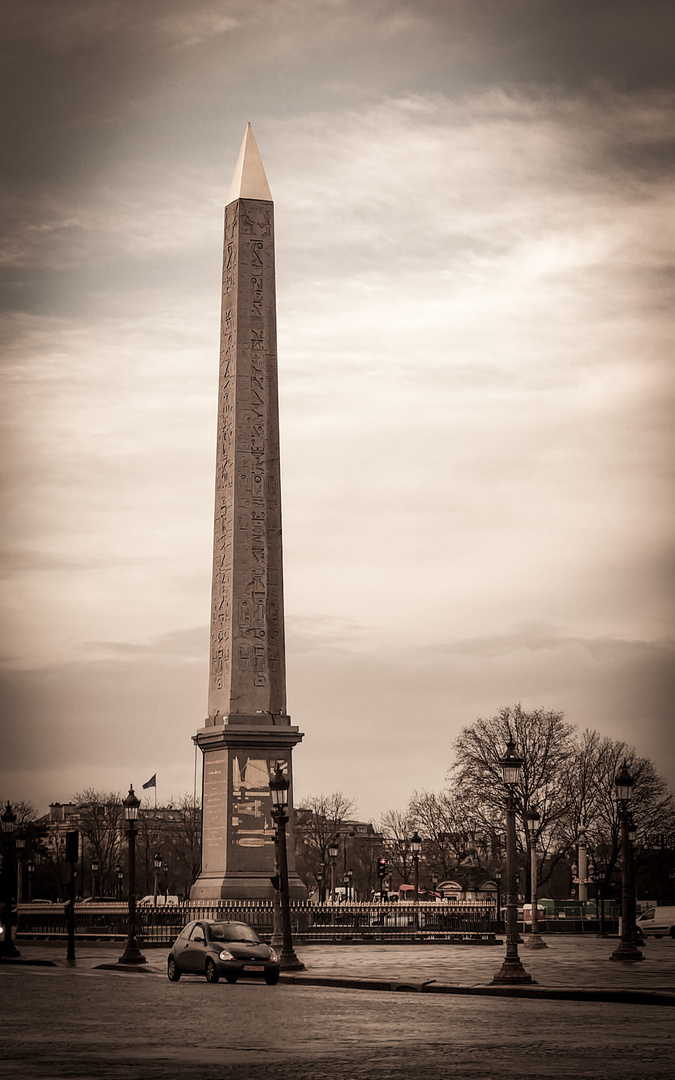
<point x="152" y="782"/>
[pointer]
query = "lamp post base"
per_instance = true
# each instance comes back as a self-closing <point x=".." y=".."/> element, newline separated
<point x="627" y="953"/>
<point x="132" y="955"/>
<point x="512" y="973"/>
<point x="535" y="941"/>
<point x="288" y="961"/>
<point x="9" y="951"/>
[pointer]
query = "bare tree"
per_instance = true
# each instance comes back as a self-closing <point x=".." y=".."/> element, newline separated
<point x="318" y="819"/>
<point x="545" y="741"/>
<point x="592" y="801"/>
<point x="101" y="821"/>
<point x="396" y="829"/>
<point x="183" y="835"/>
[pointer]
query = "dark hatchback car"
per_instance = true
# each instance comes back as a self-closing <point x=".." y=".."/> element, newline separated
<point x="227" y="949"/>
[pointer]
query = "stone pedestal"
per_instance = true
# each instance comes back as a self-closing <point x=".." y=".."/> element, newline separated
<point x="237" y="829"/>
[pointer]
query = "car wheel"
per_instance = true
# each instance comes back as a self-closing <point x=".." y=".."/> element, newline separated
<point x="172" y="970"/>
<point x="271" y="978"/>
<point x="211" y="971"/>
<point x="231" y="978"/>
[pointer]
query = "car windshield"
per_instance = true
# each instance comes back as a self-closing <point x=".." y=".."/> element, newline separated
<point x="230" y="932"/>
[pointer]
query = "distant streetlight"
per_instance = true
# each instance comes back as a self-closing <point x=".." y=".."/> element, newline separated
<point x="157" y="866"/>
<point x="94" y="872"/>
<point x="498" y="881"/>
<point x="19" y="844"/>
<point x="534" y="940"/>
<point x="30" y="867"/>
<point x="512" y="970"/>
<point x="416" y="847"/>
<point x="279" y="785"/>
<point x="8" y="821"/>
<point x="131" y="954"/>
<point x="333" y="852"/>
<point x="119" y="873"/>
<point x="348" y="885"/>
<point x="627" y="951"/>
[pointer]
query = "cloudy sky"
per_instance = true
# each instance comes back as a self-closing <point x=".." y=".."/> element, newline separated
<point x="474" y="217"/>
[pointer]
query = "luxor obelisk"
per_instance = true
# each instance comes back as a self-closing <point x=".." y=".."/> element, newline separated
<point x="247" y="731"/>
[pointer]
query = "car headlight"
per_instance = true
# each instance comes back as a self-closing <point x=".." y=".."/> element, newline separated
<point x="273" y="956"/>
<point x="226" y="955"/>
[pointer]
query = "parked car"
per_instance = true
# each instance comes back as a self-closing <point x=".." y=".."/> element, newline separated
<point x="162" y="900"/>
<point x="227" y="949"/>
<point x="657" y="921"/>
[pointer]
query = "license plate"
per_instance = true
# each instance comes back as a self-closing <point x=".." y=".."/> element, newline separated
<point x="254" y="967"/>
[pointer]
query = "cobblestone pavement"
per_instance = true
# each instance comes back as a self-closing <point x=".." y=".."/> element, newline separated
<point x="81" y="1021"/>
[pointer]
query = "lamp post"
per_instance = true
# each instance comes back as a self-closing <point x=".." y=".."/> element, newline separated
<point x="333" y="852"/>
<point x="30" y="867"/>
<point x="583" y="866"/>
<point x="512" y="971"/>
<point x="600" y="874"/>
<point x="416" y="847"/>
<point x="157" y="866"/>
<point x="627" y="951"/>
<point x="348" y="886"/>
<point x="498" y="880"/>
<point x="8" y="949"/>
<point x="534" y="940"/>
<point x="319" y="885"/>
<point x="279" y="785"/>
<point x="19" y="843"/>
<point x="131" y="954"/>
<point x="94" y="872"/>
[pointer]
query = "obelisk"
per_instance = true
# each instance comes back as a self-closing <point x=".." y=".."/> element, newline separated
<point x="247" y="732"/>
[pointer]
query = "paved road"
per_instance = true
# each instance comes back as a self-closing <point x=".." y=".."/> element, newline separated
<point x="91" y="1024"/>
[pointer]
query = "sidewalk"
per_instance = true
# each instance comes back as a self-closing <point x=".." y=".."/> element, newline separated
<point x="572" y="968"/>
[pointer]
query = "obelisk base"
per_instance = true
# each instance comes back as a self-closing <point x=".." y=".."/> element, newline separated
<point x="237" y="828"/>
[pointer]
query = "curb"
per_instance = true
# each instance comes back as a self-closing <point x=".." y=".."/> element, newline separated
<point x="554" y="993"/>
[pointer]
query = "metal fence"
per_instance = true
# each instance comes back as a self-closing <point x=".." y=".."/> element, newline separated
<point x="310" y="922"/>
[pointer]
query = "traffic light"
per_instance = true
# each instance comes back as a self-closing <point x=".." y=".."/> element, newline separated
<point x="382" y="868"/>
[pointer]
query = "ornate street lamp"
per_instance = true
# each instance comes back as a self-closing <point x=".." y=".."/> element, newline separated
<point x="627" y="951"/>
<point x="157" y="866"/>
<point x="19" y="844"/>
<point x="333" y="852"/>
<point x="279" y="785"/>
<point x="498" y="881"/>
<point x="512" y="971"/>
<point x="534" y="940"/>
<point x="119" y="874"/>
<point x="8" y="949"/>
<point x="416" y="847"/>
<point x="348" y="885"/>
<point x="319" y="885"/>
<point x="131" y="954"/>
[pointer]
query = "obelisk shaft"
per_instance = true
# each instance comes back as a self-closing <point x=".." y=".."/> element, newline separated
<point x="247" y="633"/>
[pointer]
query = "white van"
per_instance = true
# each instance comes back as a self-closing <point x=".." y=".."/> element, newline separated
<point x="657" y="921"/>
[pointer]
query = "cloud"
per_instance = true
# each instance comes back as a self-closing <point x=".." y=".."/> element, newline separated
<point x="130" y="708"/>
